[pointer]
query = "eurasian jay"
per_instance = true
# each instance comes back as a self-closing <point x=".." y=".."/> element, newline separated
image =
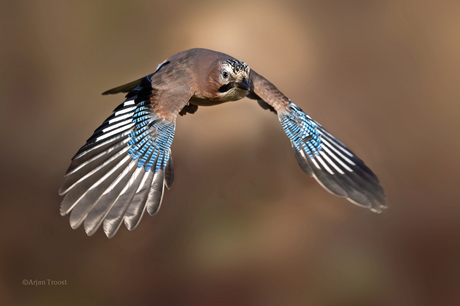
<point x="122" y="169"/>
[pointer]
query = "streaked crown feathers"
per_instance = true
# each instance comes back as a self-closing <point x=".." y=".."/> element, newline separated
<point x="237" y="66"/>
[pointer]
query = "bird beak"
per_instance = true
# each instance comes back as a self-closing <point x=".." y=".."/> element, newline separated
<point x="243" y="85"/>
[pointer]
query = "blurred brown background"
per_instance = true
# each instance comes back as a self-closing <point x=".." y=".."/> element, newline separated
<point x="242" y="225"/>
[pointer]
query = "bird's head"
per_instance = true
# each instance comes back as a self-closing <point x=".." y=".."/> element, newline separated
<point x="233" y="80"/>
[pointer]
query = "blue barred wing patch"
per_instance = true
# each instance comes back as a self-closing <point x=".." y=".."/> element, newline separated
<point x="121" y="170"/>
<point x="301" y="130"/>
<point x="150" y="139"/>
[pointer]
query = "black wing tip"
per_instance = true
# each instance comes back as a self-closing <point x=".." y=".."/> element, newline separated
<point x="376" y="202"/>
<point x="365" y="193"/>
<point x="357" y="186"/>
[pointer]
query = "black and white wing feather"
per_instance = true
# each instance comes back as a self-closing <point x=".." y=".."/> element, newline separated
<point x="121" y="170"/>
<point x="318" y="153"/>
<point x="330" y="162"/>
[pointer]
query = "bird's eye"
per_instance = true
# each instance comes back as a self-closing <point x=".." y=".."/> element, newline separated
<point x="225" y="74"/>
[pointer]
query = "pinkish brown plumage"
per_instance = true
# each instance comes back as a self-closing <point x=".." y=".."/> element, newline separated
<point x="122" y="169"/>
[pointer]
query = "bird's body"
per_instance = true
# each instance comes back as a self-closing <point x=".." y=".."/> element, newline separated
<point x="122" y="169"/>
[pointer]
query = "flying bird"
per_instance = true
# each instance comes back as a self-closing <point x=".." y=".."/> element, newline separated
<point x="122" y="169"/>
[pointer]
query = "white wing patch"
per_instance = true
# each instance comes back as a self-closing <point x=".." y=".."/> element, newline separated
<point x="124" y="111"/>
<point x="325" y="148"/>
<point x="115" y="132"/>
<point x="323" y="154"/>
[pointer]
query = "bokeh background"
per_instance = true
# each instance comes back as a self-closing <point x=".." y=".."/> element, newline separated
<point x="242" y="225"/>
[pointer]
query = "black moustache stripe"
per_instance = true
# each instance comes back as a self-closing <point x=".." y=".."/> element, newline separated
<point x="226" y="87"/>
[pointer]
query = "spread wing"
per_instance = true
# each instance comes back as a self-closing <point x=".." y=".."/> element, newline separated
<point x="121" y="170"/>
<point x="319" y="153"/>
